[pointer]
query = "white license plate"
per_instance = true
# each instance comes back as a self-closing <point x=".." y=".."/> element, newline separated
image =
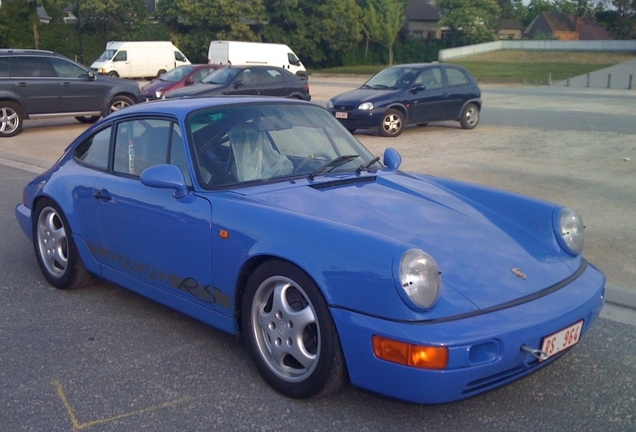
<point x="562" y="340"/>
<point x="342" y="115"/>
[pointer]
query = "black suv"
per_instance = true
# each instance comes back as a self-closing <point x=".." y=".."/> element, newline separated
<point x="42" y="84"/>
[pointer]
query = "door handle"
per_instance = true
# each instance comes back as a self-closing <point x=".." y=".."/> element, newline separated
<point x="102" y="194"/>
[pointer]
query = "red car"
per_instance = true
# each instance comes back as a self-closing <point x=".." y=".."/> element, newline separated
<point x="178" y="77"/>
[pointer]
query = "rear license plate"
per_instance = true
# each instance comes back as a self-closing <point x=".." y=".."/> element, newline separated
<point x="342" y="115"/>
<point x="562" y="340"/>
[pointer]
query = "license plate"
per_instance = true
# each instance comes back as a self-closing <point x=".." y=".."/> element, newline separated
<point x="342" y="115"/>
<point x="562" y="340"/>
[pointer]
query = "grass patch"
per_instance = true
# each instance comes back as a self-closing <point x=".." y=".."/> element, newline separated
<point x="519" y="66"/>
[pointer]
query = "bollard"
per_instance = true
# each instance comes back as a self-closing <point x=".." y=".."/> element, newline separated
<point x="588" y="80"/>
<point x="568" y="82"/>
<point x="549" y="78"/>
<point x="609" y="80"/>
<point x="630" y="82"/>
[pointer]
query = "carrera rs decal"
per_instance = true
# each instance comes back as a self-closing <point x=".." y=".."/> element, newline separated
<point x="187" y="284"/>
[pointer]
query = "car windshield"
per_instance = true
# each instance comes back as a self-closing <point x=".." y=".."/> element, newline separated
<point x="176" y="74"/>
<point x="221" y="76"/>
<point x="107" y="55"/>
<point x="392" y="78"/>
<point x="252" y="143"/>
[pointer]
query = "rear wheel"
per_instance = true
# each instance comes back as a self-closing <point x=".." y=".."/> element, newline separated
<point x="55" y="249"/>
<point x="11" y="119"/>
<point x="392" y="123"/>
<point x="87" y="119"/>
<point x="290" y="333"/>
<point x="469" y="117"/>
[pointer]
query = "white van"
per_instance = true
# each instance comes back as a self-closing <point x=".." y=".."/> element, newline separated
<point x="240" y="53"/>
<point x="139" y="59"/>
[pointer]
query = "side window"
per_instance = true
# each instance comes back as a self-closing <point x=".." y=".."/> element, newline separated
<point x="456" y="77"/>
<point x="4" y="66"/>
<point x="430" y="78"/>
<point x="271" y="76"/>
<point x="199" y="75"/>
<point x="94" y="151"/>
<point x="36" y="67"/>
<point x="141" y="144"/>
<point x="292" y="59"/>
<point x="179" y="57"/>
<point x="249" y="76"/>
<point x="66" y="69"/>
<point x="15" y="69"/>
<point x="121" y="56"/>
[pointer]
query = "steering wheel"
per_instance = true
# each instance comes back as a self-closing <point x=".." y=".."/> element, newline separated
<point x="310" y="158"/>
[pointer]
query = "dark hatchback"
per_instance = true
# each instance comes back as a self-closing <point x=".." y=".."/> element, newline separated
<point x="43" y="84"/>
<point x="248" y="80"/>
<point x="410" y="94"/>
<point x="181" y="76"/>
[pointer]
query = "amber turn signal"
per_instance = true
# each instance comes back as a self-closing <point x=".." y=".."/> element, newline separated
<point x="423" y="357"/>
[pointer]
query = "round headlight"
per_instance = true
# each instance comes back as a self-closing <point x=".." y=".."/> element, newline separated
<point x="420" y="278"/>
<point x="569" y="231"/>
<point x="366" y="106"/>
<point x="330" y="104"/>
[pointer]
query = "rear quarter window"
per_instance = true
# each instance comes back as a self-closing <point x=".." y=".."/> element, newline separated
<point x="456" y="77"/>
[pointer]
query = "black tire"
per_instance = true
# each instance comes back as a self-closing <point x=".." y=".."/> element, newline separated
<point x="87" y="119"/>
<point x="113" y="74"/>
<point x="351" y="130"/>
<point x="55" y="249"/>
<point x="298" y="354"/>
<point x="469" y="116"/>
<point x="392" y="123"/>
<point x="119" y="102"/>
<point x="11" y="119"/>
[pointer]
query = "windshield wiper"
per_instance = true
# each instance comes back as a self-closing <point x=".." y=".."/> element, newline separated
<point x="366" y="166"/>
<point x="340" y="160"/>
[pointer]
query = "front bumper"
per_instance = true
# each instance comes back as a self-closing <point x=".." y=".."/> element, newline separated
<point x="484" y="350"/>
<point x="357" y="119"/>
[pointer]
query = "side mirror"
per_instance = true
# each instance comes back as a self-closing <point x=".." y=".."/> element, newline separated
<point x="165" y="176"/>
<point x="418" y="88"/>
<point x="239" y="84"/>
<point x="91" y="75"/>
<point x="392" y="159"/>
<point x="188" y="82"/>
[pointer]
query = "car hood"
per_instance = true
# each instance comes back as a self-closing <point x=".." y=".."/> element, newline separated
<point x="478" y="251"/>
<point x="198" y="90"/>
<point x="358" y="96"/>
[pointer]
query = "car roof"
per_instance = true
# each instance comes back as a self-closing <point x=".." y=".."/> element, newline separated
<point x="183" y="106"/>
<point x="25" y="51"/>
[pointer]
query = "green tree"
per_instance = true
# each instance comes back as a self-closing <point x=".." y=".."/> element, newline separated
<point x="370" y="23"/>
<point x="321" y="32"/>
<point x="474" y="20"/>
<point x="618" y="17"/>
<point x="113" y="17"/>
<point x="390" y="19"/>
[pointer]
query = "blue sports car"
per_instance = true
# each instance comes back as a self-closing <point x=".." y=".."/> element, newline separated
<point x="266" y="217"/>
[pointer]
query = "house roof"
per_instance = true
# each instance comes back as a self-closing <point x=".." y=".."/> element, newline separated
<point x="422" y="10"/>
<point x="510" y="24"/>
<point x="553" y="22"/>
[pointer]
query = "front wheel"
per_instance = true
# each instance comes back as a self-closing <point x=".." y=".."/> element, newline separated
<point x="290" y="333"/>
<point x="113" y="74"/>
<point x="392" y="123"/>
<point x="469" y="116"/>
<point x="55" y="248"/>
<point x="120" y="102"/>
<point x="11" y="119"/>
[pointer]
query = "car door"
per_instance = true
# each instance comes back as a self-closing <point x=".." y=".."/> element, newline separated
<point x="148" y="234"/>
<point x="428" y="96"/>
<point x="245" y="83"/>
<point x="460" y="89"/>
<point x="78" y="93"/>
<point x="36" y="83"/>
<point x="273" y="83"/>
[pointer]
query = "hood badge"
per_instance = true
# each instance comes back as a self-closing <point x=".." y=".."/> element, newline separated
<point x="519" y="273"/>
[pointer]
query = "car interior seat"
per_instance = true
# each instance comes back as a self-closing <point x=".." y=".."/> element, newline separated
<point x="151" y="148"/>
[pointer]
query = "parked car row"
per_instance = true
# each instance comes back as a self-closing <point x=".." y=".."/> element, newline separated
<point x="40" y="84"/>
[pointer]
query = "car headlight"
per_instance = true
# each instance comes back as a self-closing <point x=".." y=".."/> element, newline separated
<point x="330" y="104"/>
<point x="366" y="106"/>
<point x="568" y="228"/>
<point x="420" y="278"/>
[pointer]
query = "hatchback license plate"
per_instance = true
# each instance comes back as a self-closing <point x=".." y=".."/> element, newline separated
<point x="342" y="115"/>
<point x="561" y="340"/>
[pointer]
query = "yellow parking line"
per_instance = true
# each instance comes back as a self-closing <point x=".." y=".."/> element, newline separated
<point x="79" y="426"/>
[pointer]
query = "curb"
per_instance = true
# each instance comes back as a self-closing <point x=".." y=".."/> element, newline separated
<point x="620" y="296"/>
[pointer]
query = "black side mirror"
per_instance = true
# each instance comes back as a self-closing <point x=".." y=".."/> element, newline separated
<point x="238" y="84"/>
<point x="418" y="88"/>
<point x="188" y="82"/>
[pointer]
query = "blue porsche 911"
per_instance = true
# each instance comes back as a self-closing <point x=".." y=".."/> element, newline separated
<point x="265" y="217"/>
